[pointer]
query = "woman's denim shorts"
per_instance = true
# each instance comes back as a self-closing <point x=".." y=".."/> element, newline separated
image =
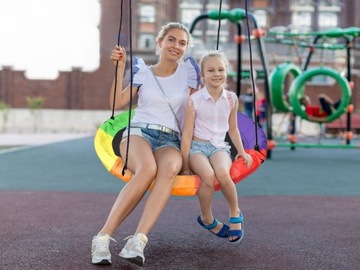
<point x="206" y="149"/>
<point x="157" y="139"/>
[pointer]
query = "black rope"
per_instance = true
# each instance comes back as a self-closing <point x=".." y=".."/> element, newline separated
<point x="219" y="26"/>
<point x="131" y="74"/>
<point x="256" y="146"/>
<point x="117" y="62"/>
<point x="131" y="87"/>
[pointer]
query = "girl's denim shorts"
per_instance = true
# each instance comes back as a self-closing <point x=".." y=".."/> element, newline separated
<point x="157" y="139"/>
<point x="206" y="149"/>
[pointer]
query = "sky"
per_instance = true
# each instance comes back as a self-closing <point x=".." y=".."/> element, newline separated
<point x="43" y="37"/>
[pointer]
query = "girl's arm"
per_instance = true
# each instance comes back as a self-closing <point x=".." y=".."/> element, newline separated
<point x="186" y="138"/>
<point x="235" y="136"/>
<point x="122" y="95"/>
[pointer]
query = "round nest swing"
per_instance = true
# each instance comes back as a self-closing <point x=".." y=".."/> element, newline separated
<point x="109" y="134"/>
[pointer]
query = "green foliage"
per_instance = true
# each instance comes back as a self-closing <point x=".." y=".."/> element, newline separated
<point x="35" y="103"/>
<point x="4" y="108"/>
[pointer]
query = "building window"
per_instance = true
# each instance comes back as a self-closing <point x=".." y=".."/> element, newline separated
<point x="302" y="12"/>
<point x="301" y="3"/>
<point x="330" y="3"/>
<point x="208" y="28"/>
<point x="302" y="18"/>
<point x="146" y="41"/>
<point x="327" y="20"/>
<point x="190" y="2"/>
<point x="188" y="16"/>
<point x="147" y="13"/>
<point x="329" y="11"/>
<point x="261" y="17"/>
<point x="215" y="4"/>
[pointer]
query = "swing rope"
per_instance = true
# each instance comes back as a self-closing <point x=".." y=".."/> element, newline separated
<point x="219" y="26"/>
<point x="131" y="74"/>
<point x="117" y="62"/>
<point x="131" y="89"/>
<point x="256" y="146"/>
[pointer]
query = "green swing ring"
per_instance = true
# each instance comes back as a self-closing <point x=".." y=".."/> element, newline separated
<point x="297" y="90"/>
<point x="277" y="83"/>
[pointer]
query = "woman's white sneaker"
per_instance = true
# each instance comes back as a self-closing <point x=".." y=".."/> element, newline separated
<point x="100" y="249"/>
<point x="134" y="249"/>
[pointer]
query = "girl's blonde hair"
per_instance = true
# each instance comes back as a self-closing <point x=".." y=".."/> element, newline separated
<point x="213" y="53"/>
<point x="173" y="25"/>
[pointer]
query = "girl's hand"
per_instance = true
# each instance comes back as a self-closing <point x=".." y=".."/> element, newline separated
<point x="247" y="159"/>
<point x="118" y="55"/>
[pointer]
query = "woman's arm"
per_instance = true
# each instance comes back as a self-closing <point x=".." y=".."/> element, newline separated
<point x="122" y="95"/>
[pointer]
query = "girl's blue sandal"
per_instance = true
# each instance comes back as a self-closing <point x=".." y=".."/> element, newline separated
<point x="223" y="233"/>
<point x="238" y="233"/>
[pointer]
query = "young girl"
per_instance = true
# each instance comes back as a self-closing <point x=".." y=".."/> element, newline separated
<point x="209" y="114"/>
<point x="154" y="138"/>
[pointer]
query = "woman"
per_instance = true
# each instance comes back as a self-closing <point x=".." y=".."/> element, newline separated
<point x="154" y="150"/>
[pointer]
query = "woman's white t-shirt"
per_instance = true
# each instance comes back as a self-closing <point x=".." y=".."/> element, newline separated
<point x="152" y="105"/>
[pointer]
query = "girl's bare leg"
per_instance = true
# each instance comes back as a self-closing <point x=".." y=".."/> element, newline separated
<point x="221" y="163"/>
<point x="201" y="166"/>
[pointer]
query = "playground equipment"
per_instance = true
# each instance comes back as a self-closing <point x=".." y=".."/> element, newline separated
<point x="303" y="74"/>
<point x="297" y="89"/>
<point x="277" y="81"/>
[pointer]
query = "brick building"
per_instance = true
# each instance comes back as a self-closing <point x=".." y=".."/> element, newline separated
<point x="89" y="90"/>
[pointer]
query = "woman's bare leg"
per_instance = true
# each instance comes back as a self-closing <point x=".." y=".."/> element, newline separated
<point x="142" y="163"/>
<point x="169" y="163"/>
